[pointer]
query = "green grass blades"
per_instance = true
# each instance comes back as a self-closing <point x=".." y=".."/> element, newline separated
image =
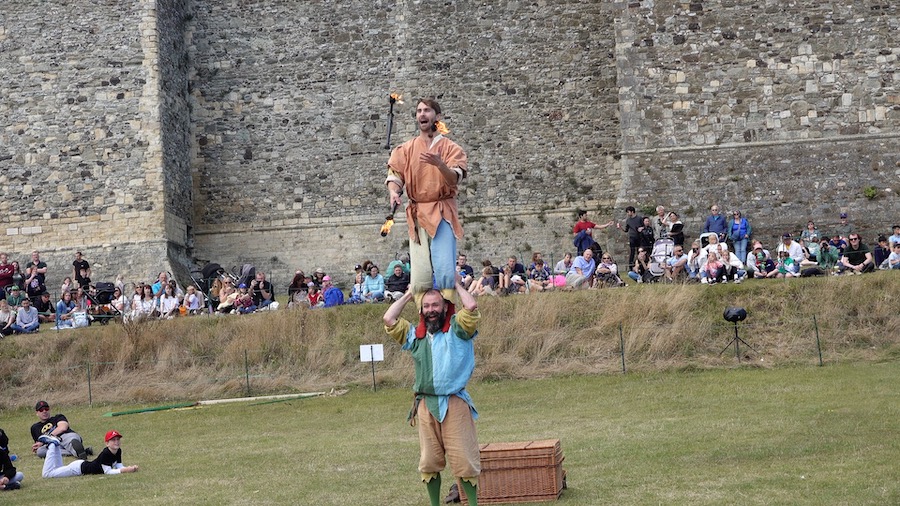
<point x="792" y="435"/>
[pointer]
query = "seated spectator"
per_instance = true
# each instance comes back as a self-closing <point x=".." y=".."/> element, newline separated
<point x="26" y="319"/>
<point x="82" y="301"/>
<point x="495" y="272"/>
<point x="319" y="275"/>
<point x="46" y="309"/>
<point x="119" y="301"/>
<point x="856" y="258"/>
<point x="808" y="259"/>
<point x="485" y="285"/>
<point x="607" y="273"/>
<point x="844" y="229"/>
<point x="881" y="252"/>
<point x="826" y="259"/>
<point x="563" y="266"/>
<point x="314" y="296"/>
<point x="695" y="261"/>
<point x="373" y="286"/>
<point x="505" y="275"/>
<point x="895" y="238"/>
<point x="466" y="273"/>
<point x="227" y="296"/>
<point x="812" y="239"/>
<point x="297" y="290"/>
<point x="332" y="295"/>
<point x="839" y="243"/>
<point x="785" y="267"/>
<point x="191" y="302"/>
<point x="356" y="292"/>
<point x="15" y="297"/>
<point x="715" y="269"/>
<point x="579" y="276"/>
<point x="894" y="257"/>
<point x="402" y="261"/>
<point x="397" y="283"/>
<point x="243" y="303"/>
<point x="539" y="278"/>
<point x="515" y="267"/>
<point x="676" y="265"/>
<point x="640" y="271"/>
<point x="517" y="284"/>
<point x="794" y="250"/>
<point x="65" y="311"/>
<point x="168" y="303"/>
<point x="758" y="263"/>
<point x="7" y="318"/>
<point x="262" y="291"/>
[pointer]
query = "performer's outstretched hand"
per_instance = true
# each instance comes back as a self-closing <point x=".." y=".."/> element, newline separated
<point x="433" y="159"/>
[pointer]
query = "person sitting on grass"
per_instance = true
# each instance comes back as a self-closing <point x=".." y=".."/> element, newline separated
<point x="640" y="272"/>
<point x="27" y="321"/>
<point x="65" y="311"/>
<point x="168" y="303"/>
<point x="314" y="296"/>
<point x="881" y="252"/>
<point x="243" y="304"/>
<point x="894" y="258"/>
<point x="7" y="318"/>
<point x="582" y="270"/>
<point x="539" y="278"/>
<point x="332" y="295"/>
<point x="676" y="265"/>
<point x="607" y="273"/>
<point x="373" y="286"/>
<point x="356" y="292"/>
<point x="856" y="258"/>
<point x="9" y="477"/>
<point x="485" y="285"/>
<point x="397" y="283"/>
<point x="108" y="462"/>
<point x="786" y="267"/>
<point x="191" y="302"/>
<point x="715" y="269"/>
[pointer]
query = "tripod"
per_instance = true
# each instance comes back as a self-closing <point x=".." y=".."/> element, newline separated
<point x="736" y="341"/>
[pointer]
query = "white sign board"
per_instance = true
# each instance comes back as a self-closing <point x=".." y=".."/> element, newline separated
<point x="371" y="353"/>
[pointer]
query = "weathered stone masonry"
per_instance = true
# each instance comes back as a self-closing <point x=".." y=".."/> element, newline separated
<point x="151" y="134"/>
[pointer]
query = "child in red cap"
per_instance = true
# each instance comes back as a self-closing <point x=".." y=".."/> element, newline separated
<point x="108" y="462"/>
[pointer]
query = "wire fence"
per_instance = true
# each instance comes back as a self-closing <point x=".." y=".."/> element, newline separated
<point x="259" y="372"/>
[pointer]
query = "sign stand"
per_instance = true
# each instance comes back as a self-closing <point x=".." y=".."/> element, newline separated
<point x="372" y="353"/>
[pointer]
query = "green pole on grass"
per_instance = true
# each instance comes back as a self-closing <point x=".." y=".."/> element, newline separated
<point x="90" y="392"/>
<point x="247" y="372"/>
<point x="818" y="343"/>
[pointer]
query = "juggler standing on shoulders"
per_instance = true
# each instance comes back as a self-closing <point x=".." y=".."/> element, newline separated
<point x="429" y="168"/>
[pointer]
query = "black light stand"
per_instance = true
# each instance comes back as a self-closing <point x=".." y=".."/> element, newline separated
<point x="734" y="315"/>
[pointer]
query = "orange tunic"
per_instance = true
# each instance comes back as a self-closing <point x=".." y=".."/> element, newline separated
<point x="431" y="198"/>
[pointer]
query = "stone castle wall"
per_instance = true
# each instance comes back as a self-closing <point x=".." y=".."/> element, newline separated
<point x="253" y="131"/>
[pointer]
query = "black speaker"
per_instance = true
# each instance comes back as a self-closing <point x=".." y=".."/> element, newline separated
<point x="735" y="314"/>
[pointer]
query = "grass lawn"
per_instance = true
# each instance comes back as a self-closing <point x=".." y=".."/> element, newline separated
<point x="805" y="435"/>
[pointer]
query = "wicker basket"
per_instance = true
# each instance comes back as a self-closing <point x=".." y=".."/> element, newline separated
<point x="520" y="472"/>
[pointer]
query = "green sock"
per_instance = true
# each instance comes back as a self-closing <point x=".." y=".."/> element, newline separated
<point x="434" y="490"/>
<point x="471" y="493"/>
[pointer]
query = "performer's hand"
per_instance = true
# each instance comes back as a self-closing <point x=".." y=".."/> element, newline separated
<point x="433" y="159"/>
<point x="395" y="199"/>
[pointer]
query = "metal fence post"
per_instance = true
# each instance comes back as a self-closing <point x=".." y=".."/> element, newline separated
<point x="622" y="347"/>
<point x="818" y="343"/>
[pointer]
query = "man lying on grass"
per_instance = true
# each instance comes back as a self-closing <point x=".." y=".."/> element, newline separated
<point x="442" y="349"/>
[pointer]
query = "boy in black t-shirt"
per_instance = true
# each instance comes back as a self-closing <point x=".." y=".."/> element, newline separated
<point x="108" y="462"/>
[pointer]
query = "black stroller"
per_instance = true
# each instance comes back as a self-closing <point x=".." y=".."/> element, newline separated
<point x="101" y="298"/>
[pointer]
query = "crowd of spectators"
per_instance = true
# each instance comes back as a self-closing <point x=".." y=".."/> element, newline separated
<point x="724" y="251"/>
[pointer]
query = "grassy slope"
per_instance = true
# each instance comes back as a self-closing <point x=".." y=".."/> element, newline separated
<point x="663" y="328"/>
<point x="791" y="435"/>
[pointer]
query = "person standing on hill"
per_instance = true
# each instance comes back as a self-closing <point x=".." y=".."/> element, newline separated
<point x="442" y="348"/>
<point x="634" y="225"/>
<point x="429" y="168"/>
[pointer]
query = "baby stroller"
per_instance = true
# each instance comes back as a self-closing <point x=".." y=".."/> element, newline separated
<point x="204" y="279"/>
<point x="101" y="298"/>
<point x="248" y="274"/>
<point x="663" y="249"/>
